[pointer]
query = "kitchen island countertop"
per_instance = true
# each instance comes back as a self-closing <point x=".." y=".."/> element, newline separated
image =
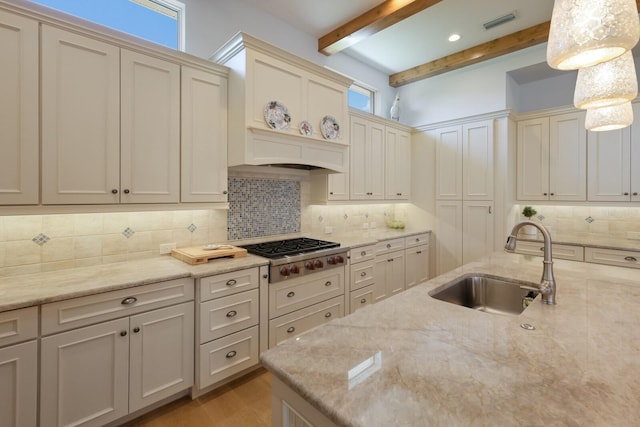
<point x="412" y="360"/>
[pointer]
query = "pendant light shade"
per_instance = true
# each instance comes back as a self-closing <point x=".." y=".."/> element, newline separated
<point x="609" y="118"/>
<point x="586" y="32"/>
<point x="606" y="84"/>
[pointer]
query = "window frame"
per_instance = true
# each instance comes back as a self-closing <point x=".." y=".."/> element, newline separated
<point x="365" y="89"/>
<point x="176" y="6"/>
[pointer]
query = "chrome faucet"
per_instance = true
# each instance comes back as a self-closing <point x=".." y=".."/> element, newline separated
<point x="548" y="282"/>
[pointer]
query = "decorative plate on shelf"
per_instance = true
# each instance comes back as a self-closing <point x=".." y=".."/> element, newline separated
<point x="305" y="128"/>
<point x="276" y="115"/>
<point x="330" y="127"/>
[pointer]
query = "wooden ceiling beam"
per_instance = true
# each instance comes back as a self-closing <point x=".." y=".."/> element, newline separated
<point x="374" y="20"/>
<point x="501" y="46"/>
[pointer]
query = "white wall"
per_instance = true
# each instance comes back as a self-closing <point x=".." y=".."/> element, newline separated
<point x="548" y="93"/>
<point x="211" y="23"/>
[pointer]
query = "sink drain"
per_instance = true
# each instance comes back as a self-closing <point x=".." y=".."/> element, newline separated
<point x="527" y="326"/>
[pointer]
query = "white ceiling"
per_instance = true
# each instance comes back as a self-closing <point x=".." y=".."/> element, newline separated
<point x="418" y="39"/>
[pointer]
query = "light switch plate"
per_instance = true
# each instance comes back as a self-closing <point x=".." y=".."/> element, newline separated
<point x="165" y="248"/>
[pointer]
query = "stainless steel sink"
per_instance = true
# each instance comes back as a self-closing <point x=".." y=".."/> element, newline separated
<point x="486" y="293"/>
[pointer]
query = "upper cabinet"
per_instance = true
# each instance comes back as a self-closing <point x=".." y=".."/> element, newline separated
<point x="264" y="74"/>
<point x="397" y="164"/>
<point x="367" y="159"/>
<point x="552" y="158"/>
<point x="464" y="161"/>
<point x="19" y="169"/>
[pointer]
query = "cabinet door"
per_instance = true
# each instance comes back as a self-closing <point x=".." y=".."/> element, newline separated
<point x="80" y="119"/>
<point x="533" y="159"/>
<point x="19" y="385"/>
<point x="609" y="166"/>
<point x="367" y="160"/>
<point x="448" y="235"/>
<point x="417" y="265"/>
<point x="338" y="184"/>
<point x="389" y="275"/>
<point x="19" y="120"/>
<point x="85" y="375"/>
<point x="397" y="164"/>
<point x="204" y="137"/>
<point x="477" y="230"/>
<point x="567" y="157"/>
<point x="161" y="354"/>
<point x="150" y="129"/>
<point x="477" y="160"/>
<point x="635" y="155"/>
<point x="448" y="163"/>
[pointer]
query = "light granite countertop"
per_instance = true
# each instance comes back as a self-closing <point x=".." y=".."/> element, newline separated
<point x="586" y="239"/>
<point x="40" y="288"/>
<point x="435" y="363"/>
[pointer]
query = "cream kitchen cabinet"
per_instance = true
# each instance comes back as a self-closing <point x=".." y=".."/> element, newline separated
<point x="110" y="123"/>
<point x="228" y="317"/>
<point x="477" y="230"/>
<point x="19" y="121"/>
<point x="416" y="259"/>
<point x="204" y="136"/>
<point x="389" y="271"/>
<point x="552" y="158"/>
<point x="19" y="367"/>
<point x="118" y="352"/>
<point x="361" y="277"/>
<point x="397" y="164"/>
<point x="464" y="161"/>
<point x="614" y="164"/>
<point x="367" y="159"/>
<point x="449" y="235"/>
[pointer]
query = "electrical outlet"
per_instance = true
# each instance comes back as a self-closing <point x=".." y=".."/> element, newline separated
<point x="328" y="230"/>
<point x="165" y="248"/>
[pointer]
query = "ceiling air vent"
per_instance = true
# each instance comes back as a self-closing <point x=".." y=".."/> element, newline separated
<point x="499" y="21"/>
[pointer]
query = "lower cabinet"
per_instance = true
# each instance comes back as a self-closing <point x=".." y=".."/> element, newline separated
<point x="96" y="374"/>
<point x="19" y="367"/>
<point x="416" y="265"/>
<point x="292" y="324"/>
<point x="362" y="298"/>
<point x="389" y="274"/>
<point x="570" y="252"/>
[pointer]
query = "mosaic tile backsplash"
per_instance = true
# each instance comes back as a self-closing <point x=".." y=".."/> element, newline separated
<point x="263" y="207"/>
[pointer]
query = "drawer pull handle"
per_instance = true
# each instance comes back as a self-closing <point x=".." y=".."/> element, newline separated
<point x="232" y="313"/>
<point x="123" y="333"/>
<point x="231" y="354"/>
<point x="136" y="329"/>
<point x="291" y="294"/>
<point x="231" y="282"/>
<point x="630" y="258"/>
<point x="417" y="239"/>
<point x="328" y="283"/>
<point x="327" y="315"/>
<point x="291" y="329"/>
<point x="363" y="253"/>
<point x="419" y="252"/>
<point x="129" y="300"/>
<point x="390" y="260"/>
<point x="265" y="276"/>
<point x="542" y="248"/>
<point x="364" y="273"/>
<point x="363" y="301"/>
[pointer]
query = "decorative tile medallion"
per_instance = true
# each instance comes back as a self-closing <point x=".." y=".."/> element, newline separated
<point x="128" y="232"/>
<point x="41" y="239"/>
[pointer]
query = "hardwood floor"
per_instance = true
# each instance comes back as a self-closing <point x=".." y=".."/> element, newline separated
<point x="244" y="402"/>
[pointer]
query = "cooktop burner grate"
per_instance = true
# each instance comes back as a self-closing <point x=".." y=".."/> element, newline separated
<point x="288" y="247"/>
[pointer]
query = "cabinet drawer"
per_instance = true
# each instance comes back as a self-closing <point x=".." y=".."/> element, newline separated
<point x="293" y="324"/>
<point x="224" y="316"/>
<point x="362" y="253"/>
<point x="76" y="312"/>
<point x="361" y="298"/>
<point x="18" y="325"/>
<point x="288" y="296"/>
<point x="570" y="252"/>
<point x="417" y="240"/>
<point x="226" y="356"/>
<point x="222" y="285"/>
<point x="612" y="257"/>
<point x="387" y="246"/>
<point x="362" y="274"/>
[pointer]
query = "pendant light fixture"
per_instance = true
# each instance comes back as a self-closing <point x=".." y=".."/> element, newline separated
<point x="586" y="32"/>
<point x="606" y="84"/>
<point x="609" y="118"/>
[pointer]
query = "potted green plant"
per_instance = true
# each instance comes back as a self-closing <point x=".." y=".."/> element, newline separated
<point x="529" y="212"/>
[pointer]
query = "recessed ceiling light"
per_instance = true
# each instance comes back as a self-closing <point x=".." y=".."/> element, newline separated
<point x="454" y="37"/>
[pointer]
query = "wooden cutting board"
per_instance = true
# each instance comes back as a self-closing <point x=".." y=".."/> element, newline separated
<point x="199" y="255"/>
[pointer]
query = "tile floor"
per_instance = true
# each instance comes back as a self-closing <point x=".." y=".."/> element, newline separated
<point x="245" y="402"/>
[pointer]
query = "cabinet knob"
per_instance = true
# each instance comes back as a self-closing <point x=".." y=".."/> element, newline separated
<point x="123" y="333"/>
<point x="224" y="192"/>
<point x="552" y="194"/>
<point x="630" y="258"/>
<point x="398" y="194"/>
<point x="328" y="283"/>
<point x="331" y="192"/>
<point x="635" y="193"/>
<point x="626" y="194"/>
<point x="129" y="300"/>
<point x="232" y="313"/>
<point x="363" y="301"/>
<point x="363" y="253"/>
<point x="327" y="315"/>
<point x="136" y="329"/>
<point x="291" y="329"/>
<point x="390" y="260"/>
<point x="231" y="282"/>
<point x="291" y="294"/>
<point x="419" y="252"/>
<point x="265" y="276"/>
<point x="126" y="191"/>
<point x="231" y="354"/>
<point x="364" y="273"/>
<point x="114" y="191"/>
<point x="388" y="245"/>
<point x="544" y="194"/>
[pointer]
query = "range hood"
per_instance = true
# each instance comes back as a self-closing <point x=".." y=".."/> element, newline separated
<point x="261" y="74"/>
